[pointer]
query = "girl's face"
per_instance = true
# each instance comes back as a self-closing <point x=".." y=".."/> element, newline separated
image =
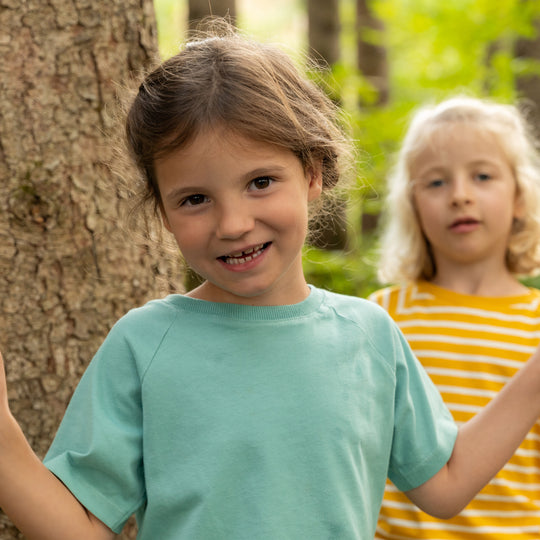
<point x="465" y="196"/>
<point x="238" y="210"/>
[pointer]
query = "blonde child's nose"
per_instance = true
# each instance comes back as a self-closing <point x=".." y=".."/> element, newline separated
<point x="461" y="189"/>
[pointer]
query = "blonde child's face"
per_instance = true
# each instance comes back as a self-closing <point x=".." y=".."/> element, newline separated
<point x="465" y="196"/>
<point x="238" y="210"/>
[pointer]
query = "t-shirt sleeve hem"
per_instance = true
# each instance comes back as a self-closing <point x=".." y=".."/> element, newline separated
<point x="422" y="472"/>
<point x="95" y="502"/>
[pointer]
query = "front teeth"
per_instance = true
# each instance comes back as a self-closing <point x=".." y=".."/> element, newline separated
<point x="242" y="257"/>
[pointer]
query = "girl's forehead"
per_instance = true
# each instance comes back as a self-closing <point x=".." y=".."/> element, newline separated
<point x="218" y="137"/>
<point x="455" y="132"/>
<point x="449" y="143"/>
<point x="445" y="137"/>
<point x="224" y="150"/>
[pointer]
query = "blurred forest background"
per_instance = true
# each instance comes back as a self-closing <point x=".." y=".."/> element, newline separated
<point x="67" y="269"/>
<point x="386" y="57"/>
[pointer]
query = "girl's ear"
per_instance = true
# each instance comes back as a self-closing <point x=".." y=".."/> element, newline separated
<point x="519" y="206"/>
<point x="314" y="177"/>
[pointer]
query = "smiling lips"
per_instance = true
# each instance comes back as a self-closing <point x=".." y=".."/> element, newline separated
<point x="242" y="257"/>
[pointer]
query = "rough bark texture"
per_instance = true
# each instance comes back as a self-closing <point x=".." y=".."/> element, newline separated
<point x="67" y="272"/>
<point x="324" y="30"/>
<point x="528" y="86"/>
<point x="372" y="57"/>
<point x="198" y="9"/>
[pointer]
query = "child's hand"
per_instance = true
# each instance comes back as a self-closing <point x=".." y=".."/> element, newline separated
<point x="3" y="387"/>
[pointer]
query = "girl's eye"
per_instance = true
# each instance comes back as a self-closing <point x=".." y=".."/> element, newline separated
<point x="435" y="183"/>
<point x="262" y="182"/>
<point x="483" y="177"/>
<point x="193" y="200"/>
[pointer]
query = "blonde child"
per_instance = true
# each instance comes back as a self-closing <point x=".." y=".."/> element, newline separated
<point x="255" y="406"/>
<point x="463" y="222"/>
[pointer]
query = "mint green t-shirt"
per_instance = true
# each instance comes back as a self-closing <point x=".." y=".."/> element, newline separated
<point x="218" y="421"/>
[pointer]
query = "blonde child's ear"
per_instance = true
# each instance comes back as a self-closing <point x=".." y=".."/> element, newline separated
<point x="314" y="177"/>
<point x="519" y="206"/>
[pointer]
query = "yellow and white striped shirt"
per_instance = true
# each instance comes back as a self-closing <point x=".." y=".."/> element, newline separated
<point x="470" y="346"/>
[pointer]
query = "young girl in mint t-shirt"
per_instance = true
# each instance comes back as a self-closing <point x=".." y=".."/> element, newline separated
<point x="254" y="406"/>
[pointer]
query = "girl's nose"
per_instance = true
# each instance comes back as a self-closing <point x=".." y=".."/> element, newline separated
<point x="461" y="190"/>
<point x="234" y="221"/>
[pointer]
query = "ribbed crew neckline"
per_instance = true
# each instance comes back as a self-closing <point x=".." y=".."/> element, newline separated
<point x="249" y="313"/>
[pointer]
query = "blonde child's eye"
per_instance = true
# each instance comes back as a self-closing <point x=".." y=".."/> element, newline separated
<point x="483" y="177"/>
<point x="262" y="182"/>
<point x="435" y="183"/>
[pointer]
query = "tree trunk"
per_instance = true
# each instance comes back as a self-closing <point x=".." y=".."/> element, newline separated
<point x="67" y="272"/>
<point x="198" y="9"/>
<point x="324" y="30"/>
<point x="528" y="84"/>
<point x="372" y="58"/>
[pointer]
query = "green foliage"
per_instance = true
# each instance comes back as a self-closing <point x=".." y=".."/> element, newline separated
<point x="171" y="18"/>
<point x="347" y="272"/>
<point x="442" y="47"/>
<point x="435" y="49"/>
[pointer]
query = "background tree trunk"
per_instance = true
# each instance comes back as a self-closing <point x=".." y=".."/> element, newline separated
<point x="198" y="9"/>
<point x="324" y="29"/>
<point x="372" y="57"/>
<point x="67" y="272"/>
<point x="528" y="84"/>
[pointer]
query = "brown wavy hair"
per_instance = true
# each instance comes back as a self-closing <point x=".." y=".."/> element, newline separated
<point x="223" y="79"/>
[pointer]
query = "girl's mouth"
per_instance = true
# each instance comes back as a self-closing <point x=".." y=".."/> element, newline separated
<point x="464" y="225"/>
<point x="242" y="257"/>
<point x="464" y="221"/>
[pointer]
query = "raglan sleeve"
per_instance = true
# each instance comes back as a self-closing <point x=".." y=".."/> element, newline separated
<point x="97" y="451"/>
<point x="424" y="430"/>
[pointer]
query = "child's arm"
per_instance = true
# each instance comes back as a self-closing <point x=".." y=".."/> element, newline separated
<point x="35" y="500"/>
<point x="484" y="445"/>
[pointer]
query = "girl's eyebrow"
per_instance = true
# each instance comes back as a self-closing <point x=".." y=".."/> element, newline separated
<point x="475" y="163"/>
<point x="181" y="191"/>
<point x="266" y="170"/>
<point x="486" y="161"/>
<point x="433" y="169"/>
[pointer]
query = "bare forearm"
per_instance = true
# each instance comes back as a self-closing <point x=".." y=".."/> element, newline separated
<point x="34" y="499"/>
<point x="484" y="444"/>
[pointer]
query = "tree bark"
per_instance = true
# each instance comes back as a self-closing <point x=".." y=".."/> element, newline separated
<point x="198" y="9"/>
<point x="372" y="57"/>
<point x="324" y="29"/>
<point x="67" y="272"/>
<point x="528" y="85"/>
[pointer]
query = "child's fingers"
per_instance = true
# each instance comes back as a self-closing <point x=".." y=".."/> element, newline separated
<point x="3" y="384"/>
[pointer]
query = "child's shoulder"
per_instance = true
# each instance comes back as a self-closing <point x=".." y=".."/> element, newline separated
<point x="158" y="309"/>
<point x="148" y="323"/>
<point x="534" y="293"/>
<point x="346" y="302"/>
<point x="359" y="311"/>
<point x="385" y="294"/>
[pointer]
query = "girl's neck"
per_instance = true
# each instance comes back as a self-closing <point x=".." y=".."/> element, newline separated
<point x="479" y="281"/>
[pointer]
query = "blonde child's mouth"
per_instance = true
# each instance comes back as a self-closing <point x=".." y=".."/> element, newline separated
<point x="242" y="257"/>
